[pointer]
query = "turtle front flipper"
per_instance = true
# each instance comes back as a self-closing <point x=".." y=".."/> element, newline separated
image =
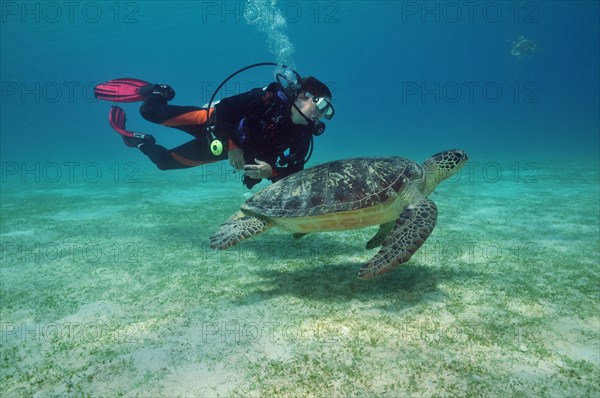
<point x="410" y="231"/>
<point x="238" y="227"/>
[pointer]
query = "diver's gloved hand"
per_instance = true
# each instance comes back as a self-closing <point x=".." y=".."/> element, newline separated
<point x="259" y="170"/>
<point x="236" y="158"/>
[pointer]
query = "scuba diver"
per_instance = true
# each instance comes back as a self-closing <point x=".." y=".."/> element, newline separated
<point x="252" y="129"/>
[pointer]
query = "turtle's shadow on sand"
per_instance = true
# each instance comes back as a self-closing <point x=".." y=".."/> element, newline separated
<point x="335" y="280"/>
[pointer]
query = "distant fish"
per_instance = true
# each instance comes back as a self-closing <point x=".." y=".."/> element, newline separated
<point x="523" y="47"/>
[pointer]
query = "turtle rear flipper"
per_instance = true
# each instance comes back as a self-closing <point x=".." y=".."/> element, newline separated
<point x="237" y="228"/>
<point x="412" y="228"/>
<point x="384" y="230"/>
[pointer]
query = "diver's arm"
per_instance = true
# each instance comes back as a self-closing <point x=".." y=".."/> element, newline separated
<point x="235" y="155"/>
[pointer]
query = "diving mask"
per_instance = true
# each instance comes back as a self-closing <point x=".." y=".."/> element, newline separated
<point x="323" y="105"/>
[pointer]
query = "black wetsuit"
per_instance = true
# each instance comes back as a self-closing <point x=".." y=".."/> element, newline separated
<point x="258" y="121"/>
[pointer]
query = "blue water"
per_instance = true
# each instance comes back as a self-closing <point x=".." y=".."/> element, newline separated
<point x="408" y="78"/>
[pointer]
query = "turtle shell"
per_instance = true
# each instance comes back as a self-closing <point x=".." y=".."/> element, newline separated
<point x="338" y="186"/>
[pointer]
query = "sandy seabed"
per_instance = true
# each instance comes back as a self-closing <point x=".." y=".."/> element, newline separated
<point x="109" y="288"/>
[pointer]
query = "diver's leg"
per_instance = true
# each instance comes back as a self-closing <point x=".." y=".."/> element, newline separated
<point x="190" y="119"/>
<point x="190" y="154"/>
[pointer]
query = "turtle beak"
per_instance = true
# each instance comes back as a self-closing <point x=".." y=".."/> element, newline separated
<point x="462" y="158"/>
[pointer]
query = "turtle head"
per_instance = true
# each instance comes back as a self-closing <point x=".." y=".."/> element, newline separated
<point x="443" y="165"/>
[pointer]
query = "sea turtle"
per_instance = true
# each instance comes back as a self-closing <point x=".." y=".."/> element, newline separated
<point x="353" y="193"/>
